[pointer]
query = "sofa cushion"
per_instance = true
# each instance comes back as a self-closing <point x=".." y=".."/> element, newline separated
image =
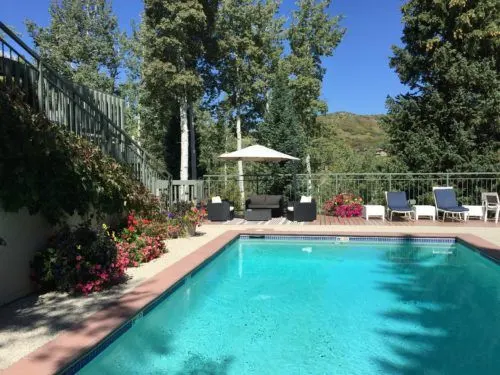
<point x="257" y="199"/>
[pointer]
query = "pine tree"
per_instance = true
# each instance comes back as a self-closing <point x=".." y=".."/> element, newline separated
<point x="81" y="42"/>
<point x="450" y="120"/>
<point x="282" y="131"/>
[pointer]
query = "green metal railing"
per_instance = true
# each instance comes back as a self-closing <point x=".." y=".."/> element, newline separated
<point x="94" y="115"/>
<point x="370" y="186"/>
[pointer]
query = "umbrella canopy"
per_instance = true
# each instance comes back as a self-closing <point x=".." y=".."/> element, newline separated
<point x="257" y="153"/>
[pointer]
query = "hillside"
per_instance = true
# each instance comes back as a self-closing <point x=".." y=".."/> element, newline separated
<point x="361" y="132"/>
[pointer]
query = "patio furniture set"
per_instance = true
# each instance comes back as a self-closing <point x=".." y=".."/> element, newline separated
<point x="265" y="207"/>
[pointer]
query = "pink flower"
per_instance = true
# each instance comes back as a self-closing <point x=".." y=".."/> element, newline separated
<point x="79" y="258"/>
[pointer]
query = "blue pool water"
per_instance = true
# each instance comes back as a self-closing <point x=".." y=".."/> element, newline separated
<point x="316" y="307"/>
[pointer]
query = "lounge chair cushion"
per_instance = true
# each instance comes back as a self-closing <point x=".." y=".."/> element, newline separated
<point x="455" y="209"/>
<point x="305" y="199"/>
<point x="396" y="201"/>
<point x="445" y="198"/>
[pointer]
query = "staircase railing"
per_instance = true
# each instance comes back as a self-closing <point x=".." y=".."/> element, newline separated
<point x="94" y="115"/>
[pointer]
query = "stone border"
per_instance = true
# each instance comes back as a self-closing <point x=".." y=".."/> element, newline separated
<point x="62" y="351"/>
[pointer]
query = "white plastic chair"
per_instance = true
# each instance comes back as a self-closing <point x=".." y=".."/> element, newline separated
<point x="491" y="202"/>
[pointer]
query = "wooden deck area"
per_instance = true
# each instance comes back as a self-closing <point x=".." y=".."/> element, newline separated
<point x="331" y="220"/>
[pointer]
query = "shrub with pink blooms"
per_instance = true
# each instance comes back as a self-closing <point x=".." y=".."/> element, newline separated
<point x="81" y="260"/>
<point x="142" y="239"/>
<point x="344" y="205"/>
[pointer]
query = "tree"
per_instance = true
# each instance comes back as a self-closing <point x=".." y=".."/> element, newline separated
<point x="249" y="39"/>
<point x="282" y="131"/>
<point x="81" y="42"/>
<point x="313" y="34"/>
<point x="131" y="89"/>
<point x="449" y="120"/>
<point x="173" y="42"/>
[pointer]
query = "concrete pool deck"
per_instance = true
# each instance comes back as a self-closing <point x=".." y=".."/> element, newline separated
<point x="47" y="330"/>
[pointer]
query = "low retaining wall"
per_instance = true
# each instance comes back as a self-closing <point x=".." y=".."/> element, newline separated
<point x="23" y="235"/>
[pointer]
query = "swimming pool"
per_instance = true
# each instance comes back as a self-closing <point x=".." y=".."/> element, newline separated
<point x="321" y="306"/>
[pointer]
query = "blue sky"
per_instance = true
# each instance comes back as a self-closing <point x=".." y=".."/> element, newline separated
<point x="358" y="77"/>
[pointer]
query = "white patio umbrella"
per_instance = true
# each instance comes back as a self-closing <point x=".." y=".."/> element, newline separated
<point x="255" y="153"/>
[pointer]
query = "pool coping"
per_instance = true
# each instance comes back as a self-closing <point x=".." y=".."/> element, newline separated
<point x="61" y="352"/>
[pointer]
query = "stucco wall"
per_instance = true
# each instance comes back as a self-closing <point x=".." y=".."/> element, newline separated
<point x="23" y="235"/>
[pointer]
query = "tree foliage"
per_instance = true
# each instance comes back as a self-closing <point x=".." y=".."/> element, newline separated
<point x="313" y="35"/>
<point x="248" y="36"/>
<point x="82" y="42"/>
<point x="281" y="130"/>
<point x="450" y="118"/>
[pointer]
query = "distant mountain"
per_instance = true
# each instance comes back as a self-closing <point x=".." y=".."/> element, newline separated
<point x="361" y="132"/>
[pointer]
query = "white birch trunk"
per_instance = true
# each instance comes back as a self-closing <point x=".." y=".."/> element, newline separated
<point x="308" y="168"/>
<point x="184" y="165"/>
<point x="241" y="182"/>
<point x="192" y="142"/>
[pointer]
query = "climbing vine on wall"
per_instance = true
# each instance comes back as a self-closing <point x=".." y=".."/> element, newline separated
<point x="51" y="171"/>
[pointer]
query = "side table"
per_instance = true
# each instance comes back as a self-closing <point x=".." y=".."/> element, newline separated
<point x="422" y="210"/>
<point x="374" y="210"/>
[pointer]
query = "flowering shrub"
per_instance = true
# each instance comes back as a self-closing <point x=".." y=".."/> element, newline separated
<point x="82" y="260"/>
<point x="142" y="240"/>
<point x="344" y="205"/>
<point x="195" y="216"/>
<point x="187" y="216"/>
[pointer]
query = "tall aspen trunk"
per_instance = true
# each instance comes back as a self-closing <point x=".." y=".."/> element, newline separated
<point x="241" y="182"/>
<point x="184" y="166"/>
<point x="192" y="143"/>
<point x="308" y="169"/>
<point x="225" y="164"/>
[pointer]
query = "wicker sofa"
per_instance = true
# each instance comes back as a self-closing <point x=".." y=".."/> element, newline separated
<point x="272" y="202"/>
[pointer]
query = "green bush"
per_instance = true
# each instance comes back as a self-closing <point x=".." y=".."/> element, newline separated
<point x="82" y="260"/>
<point x="49" y="170"/>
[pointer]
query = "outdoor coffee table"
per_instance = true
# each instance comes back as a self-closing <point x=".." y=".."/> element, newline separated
<point x="474" y="211"/>
<point x="258" y="214"/>
<point x="425" y="210"/>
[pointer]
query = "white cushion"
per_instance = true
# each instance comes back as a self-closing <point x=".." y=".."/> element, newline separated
<point x="216" y="199"/>
<point x="305" y="199"/>
<point x="231" y="208"/>
<point x="290" y="208"/>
